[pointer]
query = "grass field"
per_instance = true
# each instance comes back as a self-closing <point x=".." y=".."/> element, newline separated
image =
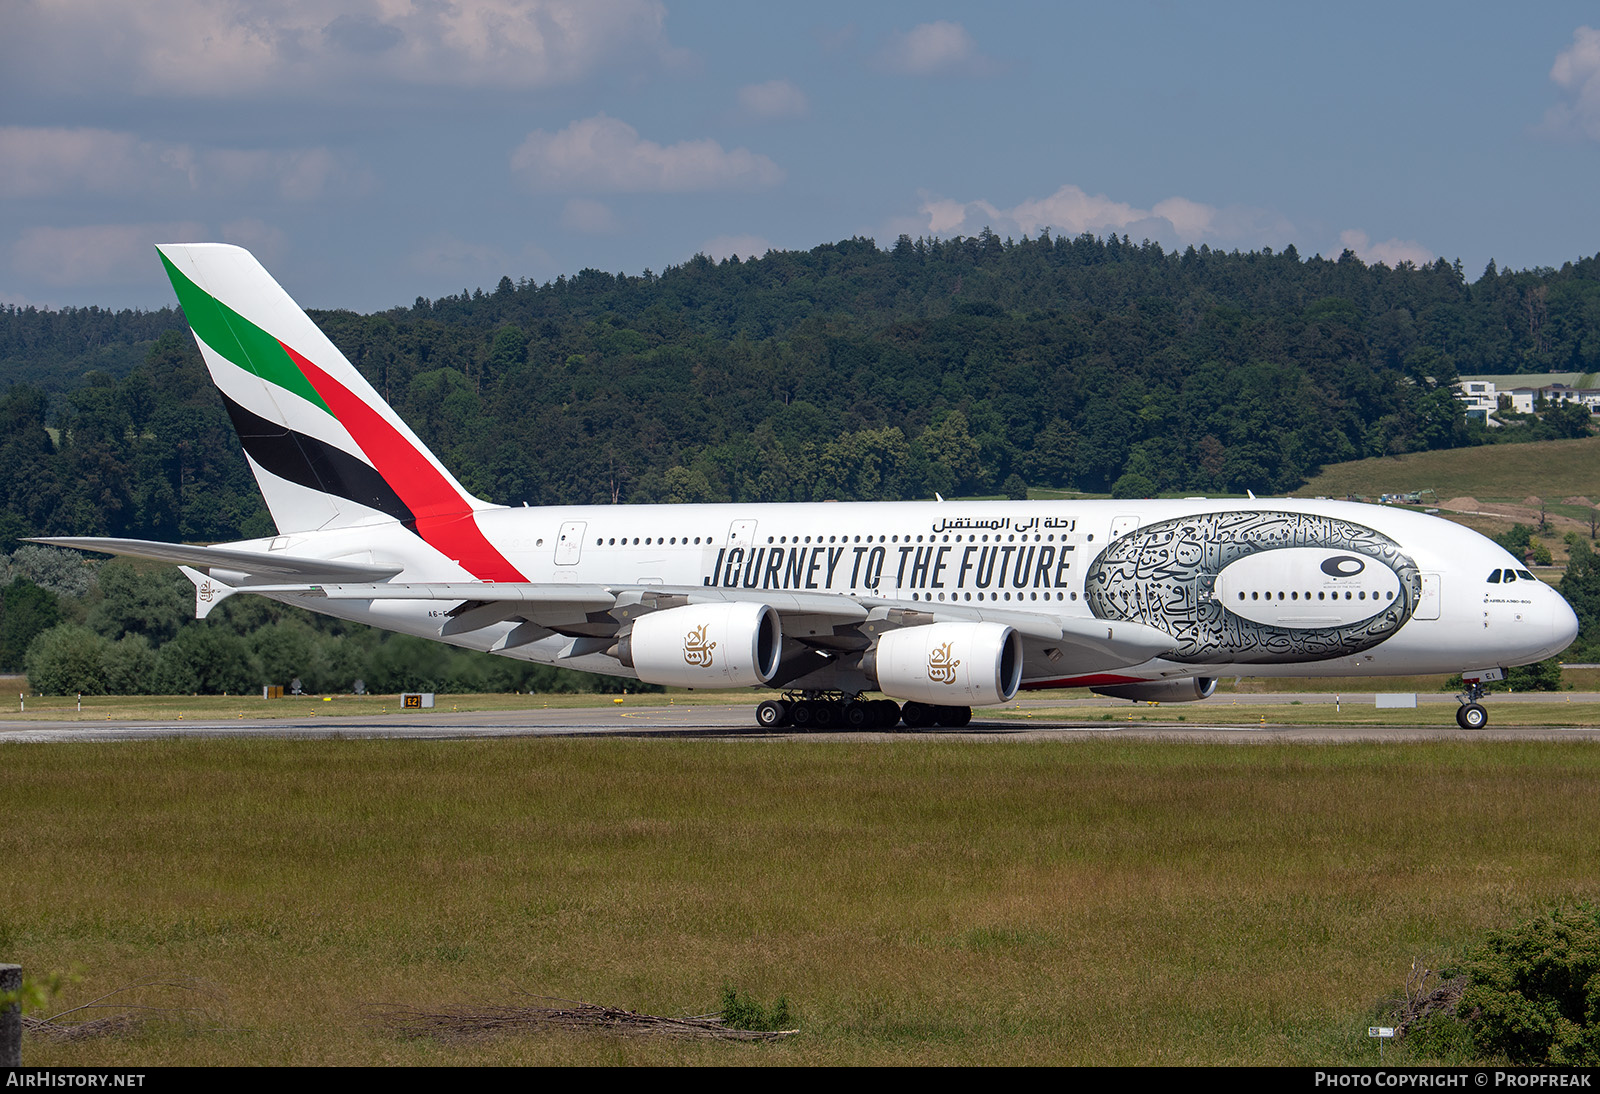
<point x="1561" y="710"/>
<point x="918" y="901"/>
<point x="1506" y="472"/>
<point x="1219" y="711"/>
<point x="63" y="708"/>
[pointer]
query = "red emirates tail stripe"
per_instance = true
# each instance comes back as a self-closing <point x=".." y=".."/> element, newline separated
<point x="443" y="518"/>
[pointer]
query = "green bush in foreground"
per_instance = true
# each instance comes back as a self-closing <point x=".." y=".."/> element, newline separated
<point x="748" y="1013"/>
<point x="1533" y="993"/>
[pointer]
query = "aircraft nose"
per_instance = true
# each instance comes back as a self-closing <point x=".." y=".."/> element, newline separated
<point x="1563" y="626"/>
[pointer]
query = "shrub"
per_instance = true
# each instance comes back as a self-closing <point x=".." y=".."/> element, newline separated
<point x="67" y="659"/>
<point x="747" y="1013"/>
<point x="1534" y="991"/>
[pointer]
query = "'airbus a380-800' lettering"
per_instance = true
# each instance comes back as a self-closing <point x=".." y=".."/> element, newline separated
<point x="942" y="606"/>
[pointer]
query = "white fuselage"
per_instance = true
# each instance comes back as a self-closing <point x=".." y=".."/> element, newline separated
<point x="1298" y="605"/>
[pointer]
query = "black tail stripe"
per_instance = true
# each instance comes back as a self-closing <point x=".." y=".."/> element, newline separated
<point x="314" y="464"/>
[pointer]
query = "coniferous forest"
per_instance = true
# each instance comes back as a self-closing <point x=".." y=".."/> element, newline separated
<point x="972" y="365"/>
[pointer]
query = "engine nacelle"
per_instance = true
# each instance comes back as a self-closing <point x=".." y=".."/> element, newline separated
<point x="948" y="664"/>
<point x="734" y="645"/>
<point x="1190" y="690"/>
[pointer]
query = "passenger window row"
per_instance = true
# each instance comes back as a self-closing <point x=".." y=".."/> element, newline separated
<point x="1320" y="596"/>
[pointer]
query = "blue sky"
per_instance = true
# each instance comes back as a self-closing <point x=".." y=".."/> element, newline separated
<point x="371" y="151"/>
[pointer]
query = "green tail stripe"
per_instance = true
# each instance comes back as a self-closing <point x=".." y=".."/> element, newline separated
<point x="238" y="339"/>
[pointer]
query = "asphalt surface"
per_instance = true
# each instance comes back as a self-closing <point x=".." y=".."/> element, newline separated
<point x="1026" y="720"/>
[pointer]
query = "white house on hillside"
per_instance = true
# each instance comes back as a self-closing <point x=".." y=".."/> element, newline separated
<point x="1482" y="394"/>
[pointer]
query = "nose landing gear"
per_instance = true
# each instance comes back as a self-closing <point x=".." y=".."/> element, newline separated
<point x="1471" y="714"/>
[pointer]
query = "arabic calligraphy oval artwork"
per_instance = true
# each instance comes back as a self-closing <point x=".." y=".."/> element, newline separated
<point x="1166" y="575"/>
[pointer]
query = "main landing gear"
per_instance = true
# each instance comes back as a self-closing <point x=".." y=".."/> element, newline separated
<point x="833" y="710"/>
<point x="1471" y="714"/>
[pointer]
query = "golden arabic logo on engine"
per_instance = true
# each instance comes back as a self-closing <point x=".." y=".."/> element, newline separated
<point x="941" y="666"/>
<point x="696" y="650"/>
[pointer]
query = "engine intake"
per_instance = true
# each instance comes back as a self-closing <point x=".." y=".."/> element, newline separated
<point x="948" y="664"/>
<point x="1189" y="690"/>
<point x="705" y="646"/>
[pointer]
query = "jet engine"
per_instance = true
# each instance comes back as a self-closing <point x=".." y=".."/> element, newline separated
<point x="705" y="646"/>
<point x="948" y="664"/>
<point x="1190" y="690"/>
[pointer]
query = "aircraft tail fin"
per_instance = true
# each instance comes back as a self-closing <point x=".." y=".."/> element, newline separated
<point x="326" y="450"/>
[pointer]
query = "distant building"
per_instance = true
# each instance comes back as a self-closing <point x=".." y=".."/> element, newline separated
<point x="1482" y="394"/>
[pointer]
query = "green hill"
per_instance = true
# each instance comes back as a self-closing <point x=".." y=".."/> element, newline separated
<point x="1552" y="470"/>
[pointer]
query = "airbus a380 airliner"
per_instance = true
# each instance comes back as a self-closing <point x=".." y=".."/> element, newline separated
<point x="942" y="606"/>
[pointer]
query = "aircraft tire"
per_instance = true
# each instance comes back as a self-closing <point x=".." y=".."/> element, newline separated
<point x="859" y="715"/>
<point x="1472" y="716"/>
<point x="917" y="715"/>
<point x="888" y="713"/>
<point x="953" y="717"/>
<point x="826" y="715"/>
<point x="803" y="714"/>
<point x="772" y="714"/>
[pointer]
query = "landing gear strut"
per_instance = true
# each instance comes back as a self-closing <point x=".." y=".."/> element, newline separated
<point x="1471" y="714"/>
<point x="825" y="710"/>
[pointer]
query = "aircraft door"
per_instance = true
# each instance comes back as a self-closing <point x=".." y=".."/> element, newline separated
<point x="742" y="533"/>
<point x="569" y="543"/>
<point x="1428" y="606"/>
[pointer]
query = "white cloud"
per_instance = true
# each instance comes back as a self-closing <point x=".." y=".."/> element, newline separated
<point x="590" y="217"/>
<point x="42" y="161"/>
<point x="772" y="100"/>
<point x="1390" y="252"/>
<point x="97" y="254"/>
<point x="297" y="174"/>
<point x="934" y="49"/>
<point x="264" y="241"/>
<point x="604" y="154"/>
<point x="1577" y="72"/>
<point x="244" y="47"/>
<point x="745" y="246"/>
<point x="16" y="300"/>
<point x="1072" y="211"/>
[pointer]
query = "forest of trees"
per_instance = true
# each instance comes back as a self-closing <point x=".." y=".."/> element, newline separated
<point x="973" y="365"/>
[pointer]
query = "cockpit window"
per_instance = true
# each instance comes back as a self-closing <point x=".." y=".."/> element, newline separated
<point x="1494" y="577"/>
<point x="1525" y="575"/>
<point x="1510" y="575"/>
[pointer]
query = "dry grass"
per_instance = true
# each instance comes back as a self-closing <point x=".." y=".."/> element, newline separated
<point x="1222" y="711"/>
<point x="918" y="901"/>
<point x="467" y="1021"/>
<point x="65" y="708"/>
<point x="1505" y="472"/>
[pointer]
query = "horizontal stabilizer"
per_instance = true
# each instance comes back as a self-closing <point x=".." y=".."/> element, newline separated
<point x="253" y="563"/>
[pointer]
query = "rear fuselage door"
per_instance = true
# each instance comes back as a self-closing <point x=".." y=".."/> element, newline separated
<point x="1121" y="526"/>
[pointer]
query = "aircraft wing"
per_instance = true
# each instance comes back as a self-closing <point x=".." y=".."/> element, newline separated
<point x="592" y="615"/>
<point x="828" y="622"/>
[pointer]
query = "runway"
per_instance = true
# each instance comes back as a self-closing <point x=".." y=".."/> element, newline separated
<point x="1023" y="720"/>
